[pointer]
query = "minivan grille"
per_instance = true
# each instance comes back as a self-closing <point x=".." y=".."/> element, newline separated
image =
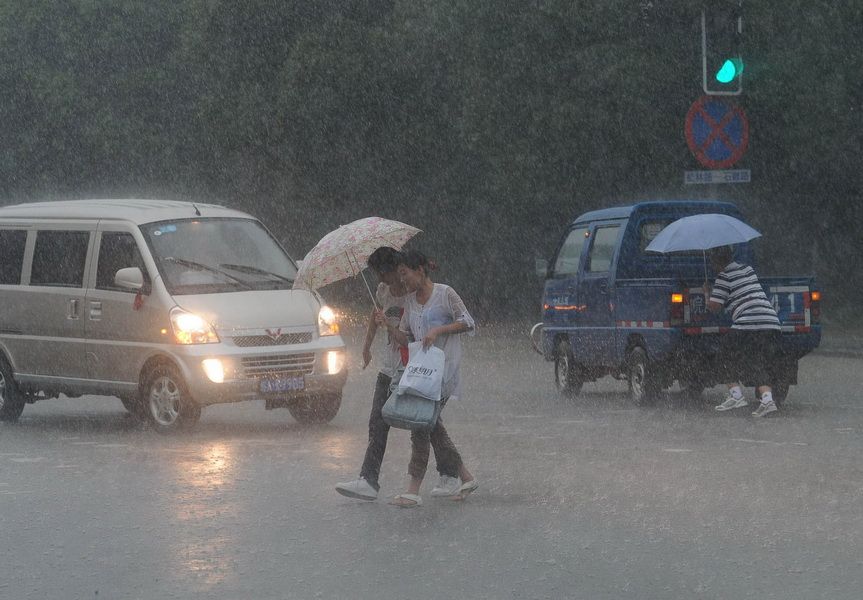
<point x="249" y="341"/>
<point x="276" y="365"/>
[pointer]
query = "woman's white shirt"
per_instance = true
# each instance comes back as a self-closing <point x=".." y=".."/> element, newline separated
<point x="444" y="306"/>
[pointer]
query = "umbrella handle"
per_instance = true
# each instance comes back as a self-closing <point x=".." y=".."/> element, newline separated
<point x="363" y="274"/>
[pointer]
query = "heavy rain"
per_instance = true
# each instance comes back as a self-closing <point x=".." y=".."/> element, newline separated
<point x="190" y="398"/>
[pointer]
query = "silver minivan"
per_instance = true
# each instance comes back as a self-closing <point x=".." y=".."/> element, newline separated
<point x="170" y="306"/>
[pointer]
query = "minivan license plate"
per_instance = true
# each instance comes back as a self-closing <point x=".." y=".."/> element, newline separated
<point x="282" y="384"/>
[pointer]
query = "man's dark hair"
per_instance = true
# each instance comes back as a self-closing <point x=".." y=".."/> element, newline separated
<point x="724" y="254"/>
<point x="385" y="259"/>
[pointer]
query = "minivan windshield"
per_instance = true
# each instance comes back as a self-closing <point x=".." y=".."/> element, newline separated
<point x="214" y="255"/>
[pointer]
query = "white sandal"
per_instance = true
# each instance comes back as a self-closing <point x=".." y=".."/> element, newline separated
<point x="406" y="501"/>
<point x="465" y="490"/>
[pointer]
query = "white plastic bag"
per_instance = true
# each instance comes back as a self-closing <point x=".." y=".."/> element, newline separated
<point x="423" y="374"/>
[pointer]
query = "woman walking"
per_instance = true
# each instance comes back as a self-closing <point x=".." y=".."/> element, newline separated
<point x="391" y="296"/>
<point x="435" y="314"/>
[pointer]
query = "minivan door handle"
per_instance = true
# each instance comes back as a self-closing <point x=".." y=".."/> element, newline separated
<point x="95" y="311"/>
<point x="73" y="309"/>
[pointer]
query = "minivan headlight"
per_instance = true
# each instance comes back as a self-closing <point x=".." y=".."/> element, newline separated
<point x="189" y="328"/>
<point x="328" y="323"/>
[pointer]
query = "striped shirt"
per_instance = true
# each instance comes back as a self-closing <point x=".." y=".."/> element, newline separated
<point x="737" y="289"/>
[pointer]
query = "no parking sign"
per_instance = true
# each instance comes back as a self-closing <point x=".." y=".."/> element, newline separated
<point x="717" y="131"/>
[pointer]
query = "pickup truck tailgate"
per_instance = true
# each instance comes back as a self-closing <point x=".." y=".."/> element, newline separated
<point x="792" y="300"/>
<point x="790" y="297"/>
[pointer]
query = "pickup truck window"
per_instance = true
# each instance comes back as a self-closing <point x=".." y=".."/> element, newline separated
<point x="602" y="250"/>
<point x="569" y="256"/>
<point x="650" y="229"/>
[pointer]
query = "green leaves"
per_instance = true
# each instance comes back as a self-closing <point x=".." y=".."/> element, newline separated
<point x="487" y="123"/>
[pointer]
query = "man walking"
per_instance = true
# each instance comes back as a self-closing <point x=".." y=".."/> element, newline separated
<point x="754" y="337"/>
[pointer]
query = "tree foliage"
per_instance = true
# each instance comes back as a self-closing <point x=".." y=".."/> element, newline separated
<point x="490" y="125"/>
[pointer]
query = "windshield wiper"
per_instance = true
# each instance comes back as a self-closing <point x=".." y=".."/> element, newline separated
<point x="255" y="270"/>
<point x="201" y="267"/>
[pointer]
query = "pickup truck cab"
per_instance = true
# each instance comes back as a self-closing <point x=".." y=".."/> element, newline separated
<point x="611" y="308"/>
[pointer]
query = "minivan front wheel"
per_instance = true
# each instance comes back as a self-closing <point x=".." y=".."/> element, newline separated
<point x="167" y="402"/>
<point x="11" y="399"/>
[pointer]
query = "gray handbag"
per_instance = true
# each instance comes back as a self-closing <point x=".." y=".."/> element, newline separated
<point x="407" y="411"/>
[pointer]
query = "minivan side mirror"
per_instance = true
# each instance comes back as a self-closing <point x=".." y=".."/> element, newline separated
<point x="130" y="278"/>
<point x="541" y="268"/>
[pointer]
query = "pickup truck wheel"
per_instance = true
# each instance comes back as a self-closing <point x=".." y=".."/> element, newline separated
<point x="317" y="409"/>
<point x="11" y="399"/>
<point x="643" y="387"/>
<point x="167" y="402"/>
<point x="567" y="375"/>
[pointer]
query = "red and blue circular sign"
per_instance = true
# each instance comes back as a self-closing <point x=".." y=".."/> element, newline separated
<point x="717" y="131"/>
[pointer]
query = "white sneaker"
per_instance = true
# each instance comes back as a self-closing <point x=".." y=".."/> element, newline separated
<point x="765" y="408"/>
<point x="732" y="402"/>
<point x="359" y="488"/>
<point x="446" y="486"/>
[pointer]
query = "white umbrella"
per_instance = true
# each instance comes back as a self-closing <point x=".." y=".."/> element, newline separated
<point x="343" y="253"/>
<point x="702" y="232"/>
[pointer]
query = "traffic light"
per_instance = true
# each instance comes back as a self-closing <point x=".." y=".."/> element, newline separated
<point x="721" y="58"/>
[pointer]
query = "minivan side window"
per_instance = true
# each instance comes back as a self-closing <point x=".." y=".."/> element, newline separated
<point x="59" y="258"/>
<point x="602" y="250"/>
<point x="569" y="256"/>
<point x="12" y="243"/>
<point x="117" y="251"/>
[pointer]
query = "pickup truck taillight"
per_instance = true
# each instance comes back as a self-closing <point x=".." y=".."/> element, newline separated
<point x="676" y="309"/>
<point x="815" y="306"/>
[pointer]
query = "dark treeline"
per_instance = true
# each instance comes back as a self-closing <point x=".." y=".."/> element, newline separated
<point x="488" y="124"/>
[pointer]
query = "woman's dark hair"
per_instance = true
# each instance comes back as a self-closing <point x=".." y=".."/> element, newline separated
<point x="414" y="259"/>
<point x="385" y="259"/>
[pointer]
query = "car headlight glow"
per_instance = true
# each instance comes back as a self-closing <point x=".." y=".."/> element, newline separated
<point x="328" y="323"/>
<point x="214" y="369"/>
<point x="189" y="328"/>
<point x="335" y="361"/>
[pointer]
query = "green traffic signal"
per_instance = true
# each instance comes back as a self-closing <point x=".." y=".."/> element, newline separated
<point x="731" y="68"/>
<point x="721" y="47"/>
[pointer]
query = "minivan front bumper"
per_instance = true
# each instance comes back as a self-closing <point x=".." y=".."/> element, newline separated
<point x="206" y="393"/>
<point x="295" y="375"/>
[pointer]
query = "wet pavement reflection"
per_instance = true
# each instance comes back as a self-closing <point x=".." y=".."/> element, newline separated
<point x="578" y="499"/>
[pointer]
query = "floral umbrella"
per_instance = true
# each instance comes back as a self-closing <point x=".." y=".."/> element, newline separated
<point x="343" y="253"/>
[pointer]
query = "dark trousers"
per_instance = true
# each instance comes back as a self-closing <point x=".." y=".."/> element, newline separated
<point x="750" y="356"/>
<point x="379" y="431"/>
<point x="446" y="455"/>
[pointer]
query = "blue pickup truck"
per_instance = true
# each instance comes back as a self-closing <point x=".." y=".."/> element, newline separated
<point x="611" y="308"/>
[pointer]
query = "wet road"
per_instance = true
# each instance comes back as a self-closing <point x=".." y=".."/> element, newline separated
<point x="589" y="498"/>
